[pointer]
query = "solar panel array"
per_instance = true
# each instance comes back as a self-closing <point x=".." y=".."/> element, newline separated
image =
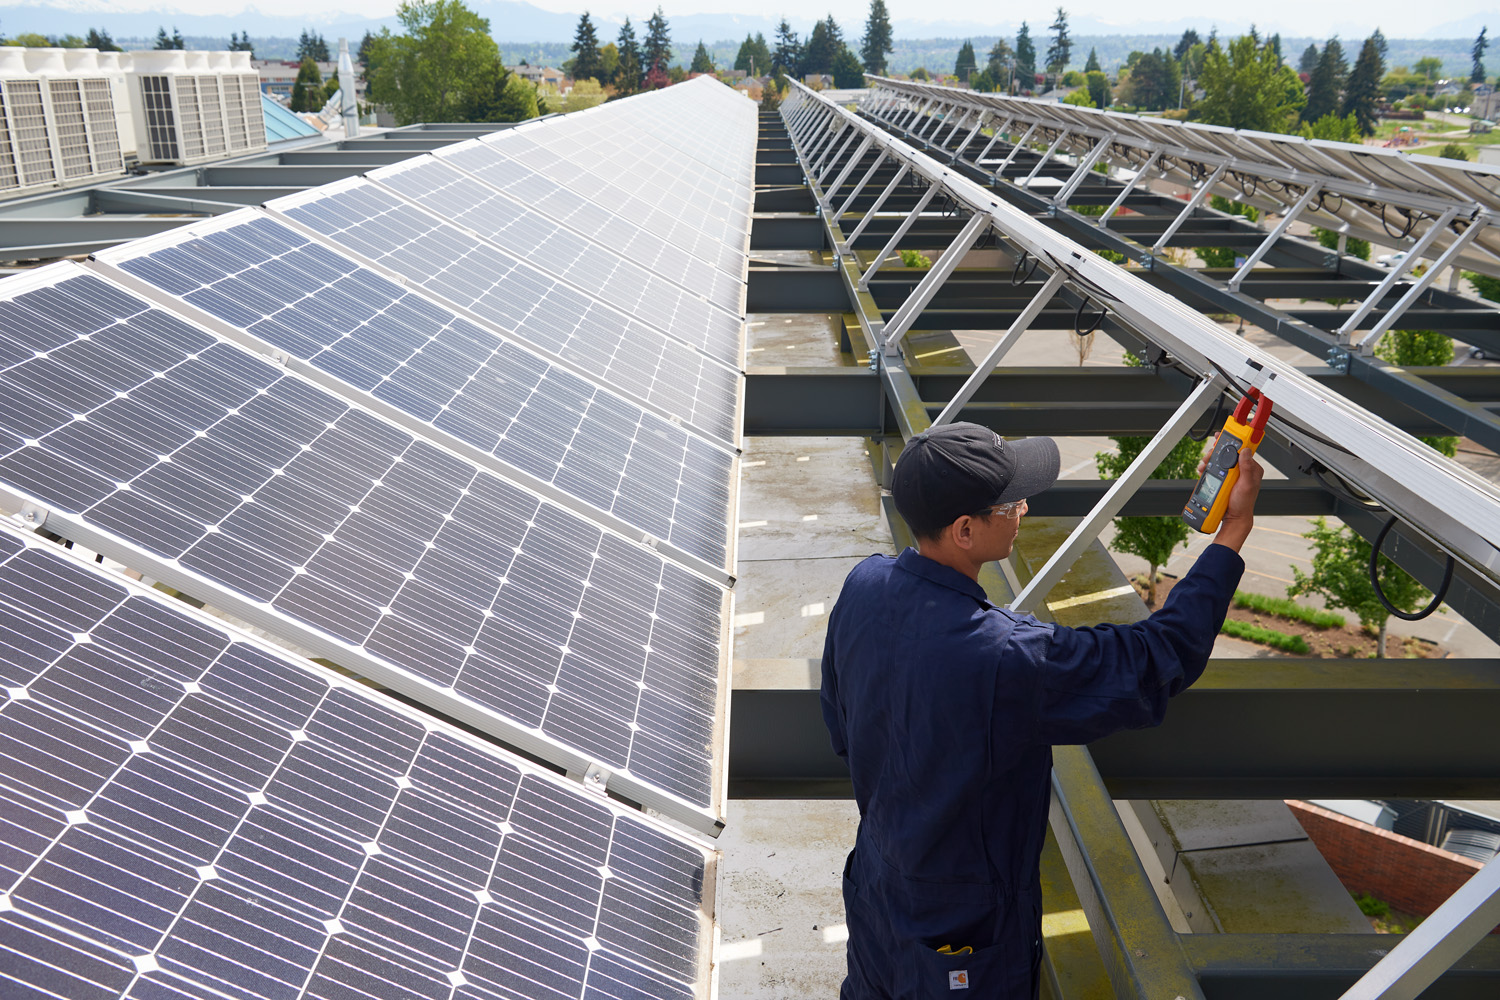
<point x="445" y="472"/>
<point x="1362" y="184"/>
<point x="187" y="812"/>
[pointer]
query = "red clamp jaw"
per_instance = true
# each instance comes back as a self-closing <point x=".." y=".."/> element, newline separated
<point x="1262" y="406"/>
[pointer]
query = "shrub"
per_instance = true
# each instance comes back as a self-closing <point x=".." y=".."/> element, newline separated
<point x="1266" y="637"/>
<point x="914" y="258"/>
<point x="1370" y="906"/>
<point x="1287" y="609"/>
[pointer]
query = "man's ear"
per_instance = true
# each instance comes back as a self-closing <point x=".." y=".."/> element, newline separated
<point x="962" y="532"/>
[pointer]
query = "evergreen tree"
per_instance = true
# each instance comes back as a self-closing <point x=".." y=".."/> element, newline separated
<point x="835" y="35"/>
<point x="1247" y="87"/>
<point x="99" y="39"/>
<point x="848" y="71"/>
<point x="1309" y="60"/>
<point x="966" y="64"/>
<point x="241" y="43"/>
<point x="1155" y="82"/>
<point x="788" y="55"/>
<point x="1098" y="87"/>
<point x="877" y="43"/>
<point x="307" y="92"/>
<point x="178" y="42"/>
<point x="628" y="77"/>
<point x="586" y="62"/>
<point x="1092" y="66"/>
<point x="1476" y="75"/>
<point x="1185" y="43"/>
<point x="823" y="46"/>
<point x="1327" y="83"/>
<point x="1363" y="90"/>
<point x="656" y="49"/>
<point x="362" y="54"/>
<point x="702" y="62"/>
<point x="1062" y="45"/>
<point x="174" y="41"/>
<point x="754" y="57"/>
<point x="1000" y="58"/>
<point x="1381" y="45"/>
<point x="1025" y="59"/>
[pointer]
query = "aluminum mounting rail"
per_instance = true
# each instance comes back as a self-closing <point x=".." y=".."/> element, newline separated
<point x="1377" y="194"/>
<point x="1456" y="509"/>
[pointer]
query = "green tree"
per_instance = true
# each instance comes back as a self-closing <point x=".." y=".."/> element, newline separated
<point x="1093" y="66"/>
<point x="1430" y="67"/>
<point x="1025" y="59"/>
<point x="754" y="57"/>
<point x="1326" y="83"/>
<point x="787" y="58"/>
<point x="702" y="61"/>
<point x="443" y="69"/>
<point x="656" y="48"/>
<point x="99" y="39"/>
<point x="1061" y="49"/>
<point x="817" y="55"/>
<point x="587" y="63"/>
<point x="878" y="40"/>
<point x="920" y="73"/>
<point x="1413" y="349"/>
<point x="984" y="82"/>
<point x="1453" y="151"/>
<point x="241" y="43"/>
<point x="1476" y="73"/>
<point x="1001" y="58"/>
<point x="307" y="92"/>
<point x="1362" y="92"/>
<point x="312" y="46"/>
<point x="1310" y="57"/>
<point x="1155" y="81"/>
<point x="628" y="77"/>
<point x="1341" y="574"/>
<point x="1332" y="127"/>
<point x="966" y="63"/>
<point x="1185" y="44"/>
<point x="848" y="71"/>
<point x="511" y="99"/>
<point x="1353" y="246"/>
<point x="362" y="54"/>
<point x="1247" y="87"/>
<point x="1080" y="98"/>
<point x="609" y="62"/>
<point x="1098" y="86"/>
<point x="1486" y="286"/>
<point x="174" y="41"/>
<point x="1151" y="538"/>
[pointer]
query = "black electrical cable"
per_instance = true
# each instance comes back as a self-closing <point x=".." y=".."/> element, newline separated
<point x="1411" y="221"/>
<point x="1078" y="318"/>
<point x="1016" y="277"/>
<point x="1212" y="422"/>
<point x="1407" y="616"/>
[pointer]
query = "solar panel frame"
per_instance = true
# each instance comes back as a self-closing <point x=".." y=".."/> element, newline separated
<point x="169" y="853"/>
<point x="107" y="264"/>
<point x="34" y="512"/>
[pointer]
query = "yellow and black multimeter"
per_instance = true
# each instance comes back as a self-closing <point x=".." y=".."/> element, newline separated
<point x="1205" y="509"/>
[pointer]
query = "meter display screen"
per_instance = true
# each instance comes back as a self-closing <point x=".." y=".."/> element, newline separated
<point x="1205" y="495"/>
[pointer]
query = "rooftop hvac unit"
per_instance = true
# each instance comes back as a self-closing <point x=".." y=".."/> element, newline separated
<point x="57" y="119"/>
<point x="195" y="106"/>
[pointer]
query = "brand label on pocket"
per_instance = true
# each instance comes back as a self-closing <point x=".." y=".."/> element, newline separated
<point x="958" y="980"/>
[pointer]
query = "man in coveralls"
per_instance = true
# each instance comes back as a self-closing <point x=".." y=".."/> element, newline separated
<point x="946" y="708"/>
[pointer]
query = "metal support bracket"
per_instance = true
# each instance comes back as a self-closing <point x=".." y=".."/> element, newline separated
<point x="596" y="780"/>
<point x="1197" y="403"/>
<point x="1014" y="150"/>
<point x="843" y="175"/>
<point x="1101" y="147"/>
<point x="1367" y="343"/>
<point x="860" y="187"/>
<point x="928" y="287"/>
<point x="1028" y="316"/>
<point x="1047" y="156"/>
<point x="1129" y="187"/>
<point x="1274" y="235"/>
<point x="31" y="515"/>
<point x="896" y="237"/>
<point x="978" y="126"/>
<point x="1188" y="209"/>
<point x="1001" y="130"/>
<point x="895" y="182"/>
<point x="1419" y="249"/>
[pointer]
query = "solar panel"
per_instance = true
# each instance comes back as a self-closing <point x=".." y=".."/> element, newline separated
<point x="675" y="307"/>
<point x="445" y="373"/>
<point x="186" y="812"/>
<point x="722" y="285"/>
<point x="529" y="303"/>
<point x="254" y="489"/>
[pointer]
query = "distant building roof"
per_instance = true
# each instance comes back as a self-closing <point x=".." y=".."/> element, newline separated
<point x="282" y="124"/>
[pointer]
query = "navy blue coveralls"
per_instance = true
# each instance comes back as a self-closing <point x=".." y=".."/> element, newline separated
<point x="946" y="708"/>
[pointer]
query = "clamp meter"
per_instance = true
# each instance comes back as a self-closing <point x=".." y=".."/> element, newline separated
<point x="1205" y="509"/>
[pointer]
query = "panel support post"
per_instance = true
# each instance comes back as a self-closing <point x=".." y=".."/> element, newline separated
<point x="1421" y="285"/>
<point x="1438" y="942"/>
<point x="843" y="175"/>
<point x="1275" y="234"/>
<point x="1014" y="150"/>
<point x="1129" y="187"/>
<point x="1189" y="209"/>
<point x="1198" y="401"/>
<point x="932" y="281"/>
<point x="1397" y="273"/>
<point x="860" y="187"/>
<point x="879" y="203"/>
<point x="1028" y="316"/>
<point x="1084" y="166"/>
<point x="1045" y="157"/>
<point x="993" y="139"/>
<point x="828" y="156"/>
<point x="978" y="125"/>
<point x="901" y="231"/>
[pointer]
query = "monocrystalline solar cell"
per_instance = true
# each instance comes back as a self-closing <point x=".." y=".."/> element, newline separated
<point x="186" y="812"/>
<point x="345" y="531"/>
<point x="680" y="309"/>
<point x="460" y="378"/>
<point x="530" y="304"/>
